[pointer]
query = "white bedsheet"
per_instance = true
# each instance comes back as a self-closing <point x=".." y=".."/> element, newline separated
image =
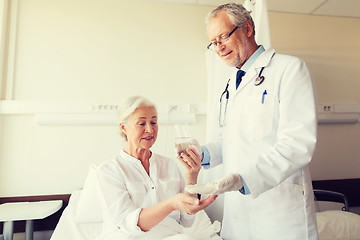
<point x="338" y="225"/>
<point x="68" y="228"/>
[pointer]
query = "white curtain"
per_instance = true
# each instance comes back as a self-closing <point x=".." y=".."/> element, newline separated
<point x="217" y="74"/>
<point x="259" y="13"/>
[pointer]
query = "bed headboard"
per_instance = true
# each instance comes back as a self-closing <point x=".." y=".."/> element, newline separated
<point x="349" y="187"/>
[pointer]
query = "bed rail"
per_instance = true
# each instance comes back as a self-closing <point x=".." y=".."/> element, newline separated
<point x="331" y="196"/>
<point x="348" y="187"/>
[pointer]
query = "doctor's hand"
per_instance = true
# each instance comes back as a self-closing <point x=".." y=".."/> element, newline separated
<point x="231" y="182"/>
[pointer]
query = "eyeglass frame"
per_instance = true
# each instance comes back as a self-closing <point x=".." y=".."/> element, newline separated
<point x="223" y="38"/>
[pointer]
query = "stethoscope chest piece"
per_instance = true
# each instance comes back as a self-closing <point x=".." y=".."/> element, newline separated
<point x="259" y="80"/>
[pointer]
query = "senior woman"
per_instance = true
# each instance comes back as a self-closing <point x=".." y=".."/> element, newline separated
<point x="141" y="191"/>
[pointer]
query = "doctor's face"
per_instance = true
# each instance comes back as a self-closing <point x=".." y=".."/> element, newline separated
<point x="233" y="51"/>
<point x="142" y="129"/>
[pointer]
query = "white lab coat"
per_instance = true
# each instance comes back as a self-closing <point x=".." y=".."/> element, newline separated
<point x="270" y="144"/>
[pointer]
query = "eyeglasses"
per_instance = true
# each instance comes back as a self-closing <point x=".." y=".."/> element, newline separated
<point x="223" y="39"/>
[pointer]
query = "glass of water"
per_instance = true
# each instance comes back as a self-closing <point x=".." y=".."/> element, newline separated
<point x="182" y="138"/>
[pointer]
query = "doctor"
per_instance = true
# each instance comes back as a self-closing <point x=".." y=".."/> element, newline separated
<point x="268" y="135"/>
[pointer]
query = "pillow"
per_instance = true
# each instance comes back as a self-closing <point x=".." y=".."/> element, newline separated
<point x="88" y="208"/>
<point x="337" y="224"/>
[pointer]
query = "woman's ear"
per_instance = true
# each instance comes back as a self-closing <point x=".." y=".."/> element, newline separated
<point x="122" y="127"/>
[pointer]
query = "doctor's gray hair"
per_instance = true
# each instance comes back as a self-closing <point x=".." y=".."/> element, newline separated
<point x="238" y="15"/>
<point x="127" y="108"/>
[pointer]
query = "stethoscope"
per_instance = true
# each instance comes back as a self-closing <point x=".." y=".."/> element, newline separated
<point x="260" y="79"/>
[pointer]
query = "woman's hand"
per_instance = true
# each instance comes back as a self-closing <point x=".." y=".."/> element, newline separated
<point x="189" y="204"/>
<point x="191" y="160"/>
<point x="151" y="216"/>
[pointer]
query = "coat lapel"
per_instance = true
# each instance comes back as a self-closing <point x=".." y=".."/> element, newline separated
<point x="262" y="61"/>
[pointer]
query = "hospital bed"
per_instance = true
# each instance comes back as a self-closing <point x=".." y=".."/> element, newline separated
<point x="82" y="218"/>
<point x="71" y="222"/>
<point x="83" y="223"/>
<point x="336" y="224"/>
<point x="79" y="222"/>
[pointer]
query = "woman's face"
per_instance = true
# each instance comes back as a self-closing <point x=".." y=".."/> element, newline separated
<point x="142" y="128"/>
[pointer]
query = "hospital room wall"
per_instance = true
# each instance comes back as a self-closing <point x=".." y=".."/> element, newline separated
<point x="90" y="52"/>
<point x="103" y="51"/>
<point x="330" y="46"/>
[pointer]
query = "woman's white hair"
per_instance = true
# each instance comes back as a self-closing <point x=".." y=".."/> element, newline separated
<point x="238" y="15"/>
<point x="128" y="107"/>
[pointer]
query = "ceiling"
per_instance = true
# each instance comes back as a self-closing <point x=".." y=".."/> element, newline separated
<point x="338" y="8"/>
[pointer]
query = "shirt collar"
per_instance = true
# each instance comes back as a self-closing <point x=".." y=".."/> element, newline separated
<point x="252" y="58"/>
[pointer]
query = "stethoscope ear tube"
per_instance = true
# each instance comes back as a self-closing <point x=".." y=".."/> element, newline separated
<point x="226" y="91"/>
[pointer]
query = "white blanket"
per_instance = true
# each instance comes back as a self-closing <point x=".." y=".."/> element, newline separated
<point x="69" y="228"/>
